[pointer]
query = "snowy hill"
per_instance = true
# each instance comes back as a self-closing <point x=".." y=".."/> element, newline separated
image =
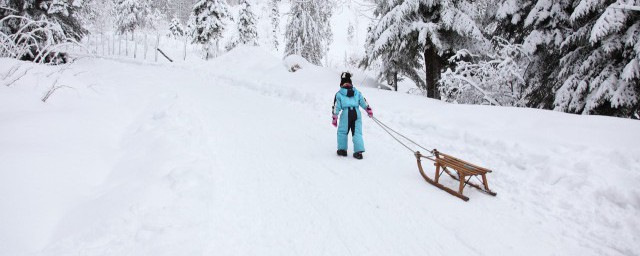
<point x="236" y="156"/>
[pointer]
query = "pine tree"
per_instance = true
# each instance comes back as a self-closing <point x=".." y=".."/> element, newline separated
<point x="132" y="15"/>
<point x="274" y="15"/>
<point x="181" y="9"/>
<point x="206" y="23"/>
<point x="98" y="16"/>
<point x="350" y="33"/>
<point x="541" y="26"/>
<point x="547" y="22"/>
<point x="247" y="30"/>
<point x="393" y="62"/>
<point x="600" y="67"/>
<point x="407" y="30"/>
<point x="509" y="20"/>
<point x="308" y="31"/>
<point x="175" y="28"/>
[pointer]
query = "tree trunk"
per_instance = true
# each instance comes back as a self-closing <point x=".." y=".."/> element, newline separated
<point x="217" y="47"/>
<point x="155" y="48"/>
<point x="206" y="51"/>
<point x="433" y="64"/>
<point x="395" y="81"/>
<point x="184" y="48"/>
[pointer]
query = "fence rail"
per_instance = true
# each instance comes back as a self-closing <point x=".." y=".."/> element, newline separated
<point x="141" y="46"/>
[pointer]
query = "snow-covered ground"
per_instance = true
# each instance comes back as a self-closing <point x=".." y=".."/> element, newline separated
<point x="236" y="156"/>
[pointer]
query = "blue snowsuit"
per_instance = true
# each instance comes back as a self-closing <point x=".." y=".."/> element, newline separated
<point x="350" y="119"/>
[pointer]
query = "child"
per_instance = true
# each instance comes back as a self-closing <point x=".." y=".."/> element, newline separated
<point x="347" y="101"/>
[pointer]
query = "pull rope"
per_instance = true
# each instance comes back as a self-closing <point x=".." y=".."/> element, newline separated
<point x="388" y="129"/>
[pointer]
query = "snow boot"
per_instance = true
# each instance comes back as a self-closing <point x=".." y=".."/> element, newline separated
<point x="357" y="155"/>
<point x="342" y="152"/>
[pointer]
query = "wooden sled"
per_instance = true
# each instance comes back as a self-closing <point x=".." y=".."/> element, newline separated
<point x="464" y="172"/>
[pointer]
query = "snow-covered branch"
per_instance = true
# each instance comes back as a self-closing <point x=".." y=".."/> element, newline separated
<point x="35" y="40"/>
<point x="626" y="7"/>
<point x="495" y="78"/>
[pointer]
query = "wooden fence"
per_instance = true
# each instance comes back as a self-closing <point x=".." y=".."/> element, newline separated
<point x="137" y="46"/>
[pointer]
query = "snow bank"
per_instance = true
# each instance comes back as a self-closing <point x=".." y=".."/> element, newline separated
<point x="236" y="156"/>
<point x="258" y="65"/>
<point x="295" y="62"/>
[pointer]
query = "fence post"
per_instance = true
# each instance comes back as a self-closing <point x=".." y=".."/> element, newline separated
<point x="110" y="44"/>
<point x="135" y="49"/>
<point x="126" y="45"/>
<point x="217" y="47"/>
<point x="146" y="46"/>
<point x="156" y="48"/>
<point x="102" y="42"/>
<point x="119" y="45"/>
<point x="184" y="49"/>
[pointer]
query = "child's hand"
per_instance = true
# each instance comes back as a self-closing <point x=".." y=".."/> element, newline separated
<point x="334" y="122"/>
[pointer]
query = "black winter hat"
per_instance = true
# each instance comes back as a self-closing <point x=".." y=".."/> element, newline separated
<point x="345" y="78"/>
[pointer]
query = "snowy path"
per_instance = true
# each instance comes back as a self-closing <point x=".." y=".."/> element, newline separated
<point x="204" y="160"/>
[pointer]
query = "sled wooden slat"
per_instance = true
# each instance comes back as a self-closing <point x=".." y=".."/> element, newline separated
<point x="477" y="167"/>
<point x="464" y="172"/>
<point x="460" y="166"/>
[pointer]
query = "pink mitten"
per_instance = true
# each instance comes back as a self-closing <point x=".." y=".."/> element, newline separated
<point x="334" y="122"/>
<point x="370" y="112"/>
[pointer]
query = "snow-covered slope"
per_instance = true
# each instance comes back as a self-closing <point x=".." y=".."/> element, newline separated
<point x="236" y="156"/>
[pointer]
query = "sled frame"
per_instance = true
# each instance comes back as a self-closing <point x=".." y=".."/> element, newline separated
<point x="465" y="171"/>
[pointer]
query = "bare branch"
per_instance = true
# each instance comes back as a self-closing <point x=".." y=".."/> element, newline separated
<point x="53" y="89"/>
<point x="16" y="78"/>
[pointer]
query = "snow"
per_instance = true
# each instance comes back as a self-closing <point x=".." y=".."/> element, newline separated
<point x="236" y="156"/>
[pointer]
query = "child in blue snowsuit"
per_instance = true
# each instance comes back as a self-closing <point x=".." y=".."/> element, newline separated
<point x="347" y="101"/>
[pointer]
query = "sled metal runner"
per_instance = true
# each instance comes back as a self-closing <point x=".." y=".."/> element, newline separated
<point x="465" y="171"/>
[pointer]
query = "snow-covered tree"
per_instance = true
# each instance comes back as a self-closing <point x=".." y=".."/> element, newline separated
<point x="308" y="31"/>
<point x="350" y="32"/>
<point x="181" y="9"/>
<point x="247" y="30"/>
<point x="405" y="31"/>
<point x="158" y="19"/>
<point x="540" y="26"/>
<point x="547" y="23"/>
<point x="175" y="28"/>
<point x="394" y="61"/>
<point x="61" y="12"/>
<point x="132" y="15"/>
<point x="274" y="16"/>
<point x="34" y="29"/>
<point x="600" y="69"/>
<point x="162" y="6"/>
<point x="98" y="16"/>
<point x="495" y="78"/>
<point x="207" y="22"/>
<point x="509" y="20"/>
